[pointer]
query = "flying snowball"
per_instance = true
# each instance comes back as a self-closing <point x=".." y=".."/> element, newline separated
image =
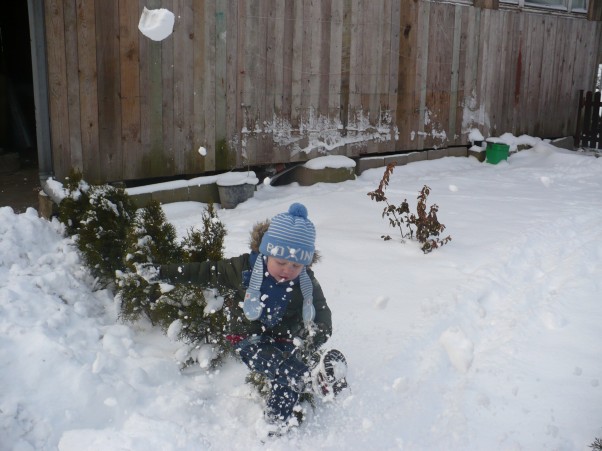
<point x="453" y="188"/>
<point x="202" y="151"/>
<point x="156" y="24"/>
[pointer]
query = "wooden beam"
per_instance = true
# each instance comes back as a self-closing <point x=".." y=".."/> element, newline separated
<point x="487" y="4"/>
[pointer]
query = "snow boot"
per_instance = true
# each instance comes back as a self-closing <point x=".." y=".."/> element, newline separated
<point x="328" y="369"/>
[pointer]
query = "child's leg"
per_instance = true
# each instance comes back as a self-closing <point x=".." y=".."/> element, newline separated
<point x="286" y="373"/>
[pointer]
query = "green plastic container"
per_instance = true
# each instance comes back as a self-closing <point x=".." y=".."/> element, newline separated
<point x="496" y="152"/>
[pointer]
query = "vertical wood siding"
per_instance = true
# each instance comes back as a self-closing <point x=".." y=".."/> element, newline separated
<point x="275" y="81"/>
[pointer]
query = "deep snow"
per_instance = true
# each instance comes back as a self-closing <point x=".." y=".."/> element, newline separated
<point x="491" y="342"/>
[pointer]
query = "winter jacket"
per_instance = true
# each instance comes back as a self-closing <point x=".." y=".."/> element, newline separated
<point x="231" y="277"/>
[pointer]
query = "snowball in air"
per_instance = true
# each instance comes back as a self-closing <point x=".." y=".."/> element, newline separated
<point x="202" y="151"/>
<point x="156" y="24"/>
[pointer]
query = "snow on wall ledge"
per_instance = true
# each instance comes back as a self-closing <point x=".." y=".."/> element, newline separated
<point x="321" y="133"/>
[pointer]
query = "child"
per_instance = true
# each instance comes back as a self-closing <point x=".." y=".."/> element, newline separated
<point x="278" y="316"/>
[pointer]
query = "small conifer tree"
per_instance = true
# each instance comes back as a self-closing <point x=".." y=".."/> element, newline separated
<point x="75" y="203"/>
<point x="124" y="247"/>
<point x="151" y="241"/>
<point x="100" y="217"/>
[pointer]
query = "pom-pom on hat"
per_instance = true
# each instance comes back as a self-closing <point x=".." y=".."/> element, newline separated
<point x="290" y="236"/>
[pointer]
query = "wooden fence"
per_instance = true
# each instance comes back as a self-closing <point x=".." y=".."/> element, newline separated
<point x="275" y="81"/>
<point x="589" y="129"/>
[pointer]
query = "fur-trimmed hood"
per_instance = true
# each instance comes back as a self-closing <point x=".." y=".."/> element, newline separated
<point x="259" y="230"/>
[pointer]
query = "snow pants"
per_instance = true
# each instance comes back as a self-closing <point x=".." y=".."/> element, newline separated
<point x="286" y="373"/>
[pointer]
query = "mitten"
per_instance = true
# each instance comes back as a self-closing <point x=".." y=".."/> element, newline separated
<point x="252" y="306"/>
<point x="309" y="311"/>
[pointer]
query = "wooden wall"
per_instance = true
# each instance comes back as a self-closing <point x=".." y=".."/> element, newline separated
<point x="269" y="81"/>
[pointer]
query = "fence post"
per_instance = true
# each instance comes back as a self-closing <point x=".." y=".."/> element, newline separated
<point x="579" y="120"/>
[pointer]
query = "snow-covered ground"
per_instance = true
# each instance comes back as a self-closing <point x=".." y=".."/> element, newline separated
<point x="491" y="342"/>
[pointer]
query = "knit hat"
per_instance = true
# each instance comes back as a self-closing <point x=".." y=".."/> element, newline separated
<point x="290" y="236"/>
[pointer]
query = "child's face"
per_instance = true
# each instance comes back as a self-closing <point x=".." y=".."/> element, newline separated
<point x="283" y="270"/>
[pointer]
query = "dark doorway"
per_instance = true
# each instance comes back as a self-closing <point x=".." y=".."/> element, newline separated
<point x="17" y="111"/>
<point x="18" y="152"/>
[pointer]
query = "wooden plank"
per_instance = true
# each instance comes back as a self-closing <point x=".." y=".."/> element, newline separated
<point x="554" y="123"/>
<point x="544" y="115"/>
<point x="336" y="57"/>
<point x="533" y="76"/>
<point x="222" y="150"/>
<point x="249" y="54"/>
<point x="519" y="75"/>
<point x="582" y="74"/>
<point x="167" y="101"/>
<point x="509" y="63"/>
<point x="109" y="105"/>
<point x="366" y="71"/>
<point x="494" y="100"/>
<point x="422" y="58"/>
<point x="275" y="59"/>
<point x="379" y="71"/>
<point x="395" y="33"/>
<point x="58" y="93"/>
<point x="201" y="163"/>
<point x="129" y="54"/>
<point x="306" y="61"/>
<point x="297" y="66"/>
<point x="264" y="149"/>
<point x="406" y="117"/>
<point x="153" y="161"/>
<point x="86" y="51"/>
<point x="73" y="98"/>
<point x="232" y="97"/>
<point x="570" y="51"/>
<point x="457" y="33"/>
<point x="346" y="34"/>
<point x="440" y="53"/>
<point x="287" y="58"/>
<point x="209" y="87"/>
<point x="323" y="50"/>
<point x="485" y="59"/>
<point x="470" y="71"/>
<point x="183" y="86"/>
<point x="355" y="60"/>
<point x="461" y="40"/>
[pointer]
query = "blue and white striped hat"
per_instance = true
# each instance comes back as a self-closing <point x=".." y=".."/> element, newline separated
<point x="291" y="236"/>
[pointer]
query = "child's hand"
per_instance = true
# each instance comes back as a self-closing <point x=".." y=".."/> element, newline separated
<point x="309" y="312"/>
<point x="252" y="306"/>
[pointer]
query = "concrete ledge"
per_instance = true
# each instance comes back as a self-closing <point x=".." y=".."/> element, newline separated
<point x="417" y="156"/>
<point x="435" y="154"/>
<point x="457" y="151"/>
<point x="399" y="160"/>
<point x="307" y="177"/>
<point x="478" y="153"/>
<point x="207" y="193"/>
<point x="568" y="142"/>
<point x="366" y="163"/>
<point x="141" y="200"/>
<point x="171" y="195"/>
